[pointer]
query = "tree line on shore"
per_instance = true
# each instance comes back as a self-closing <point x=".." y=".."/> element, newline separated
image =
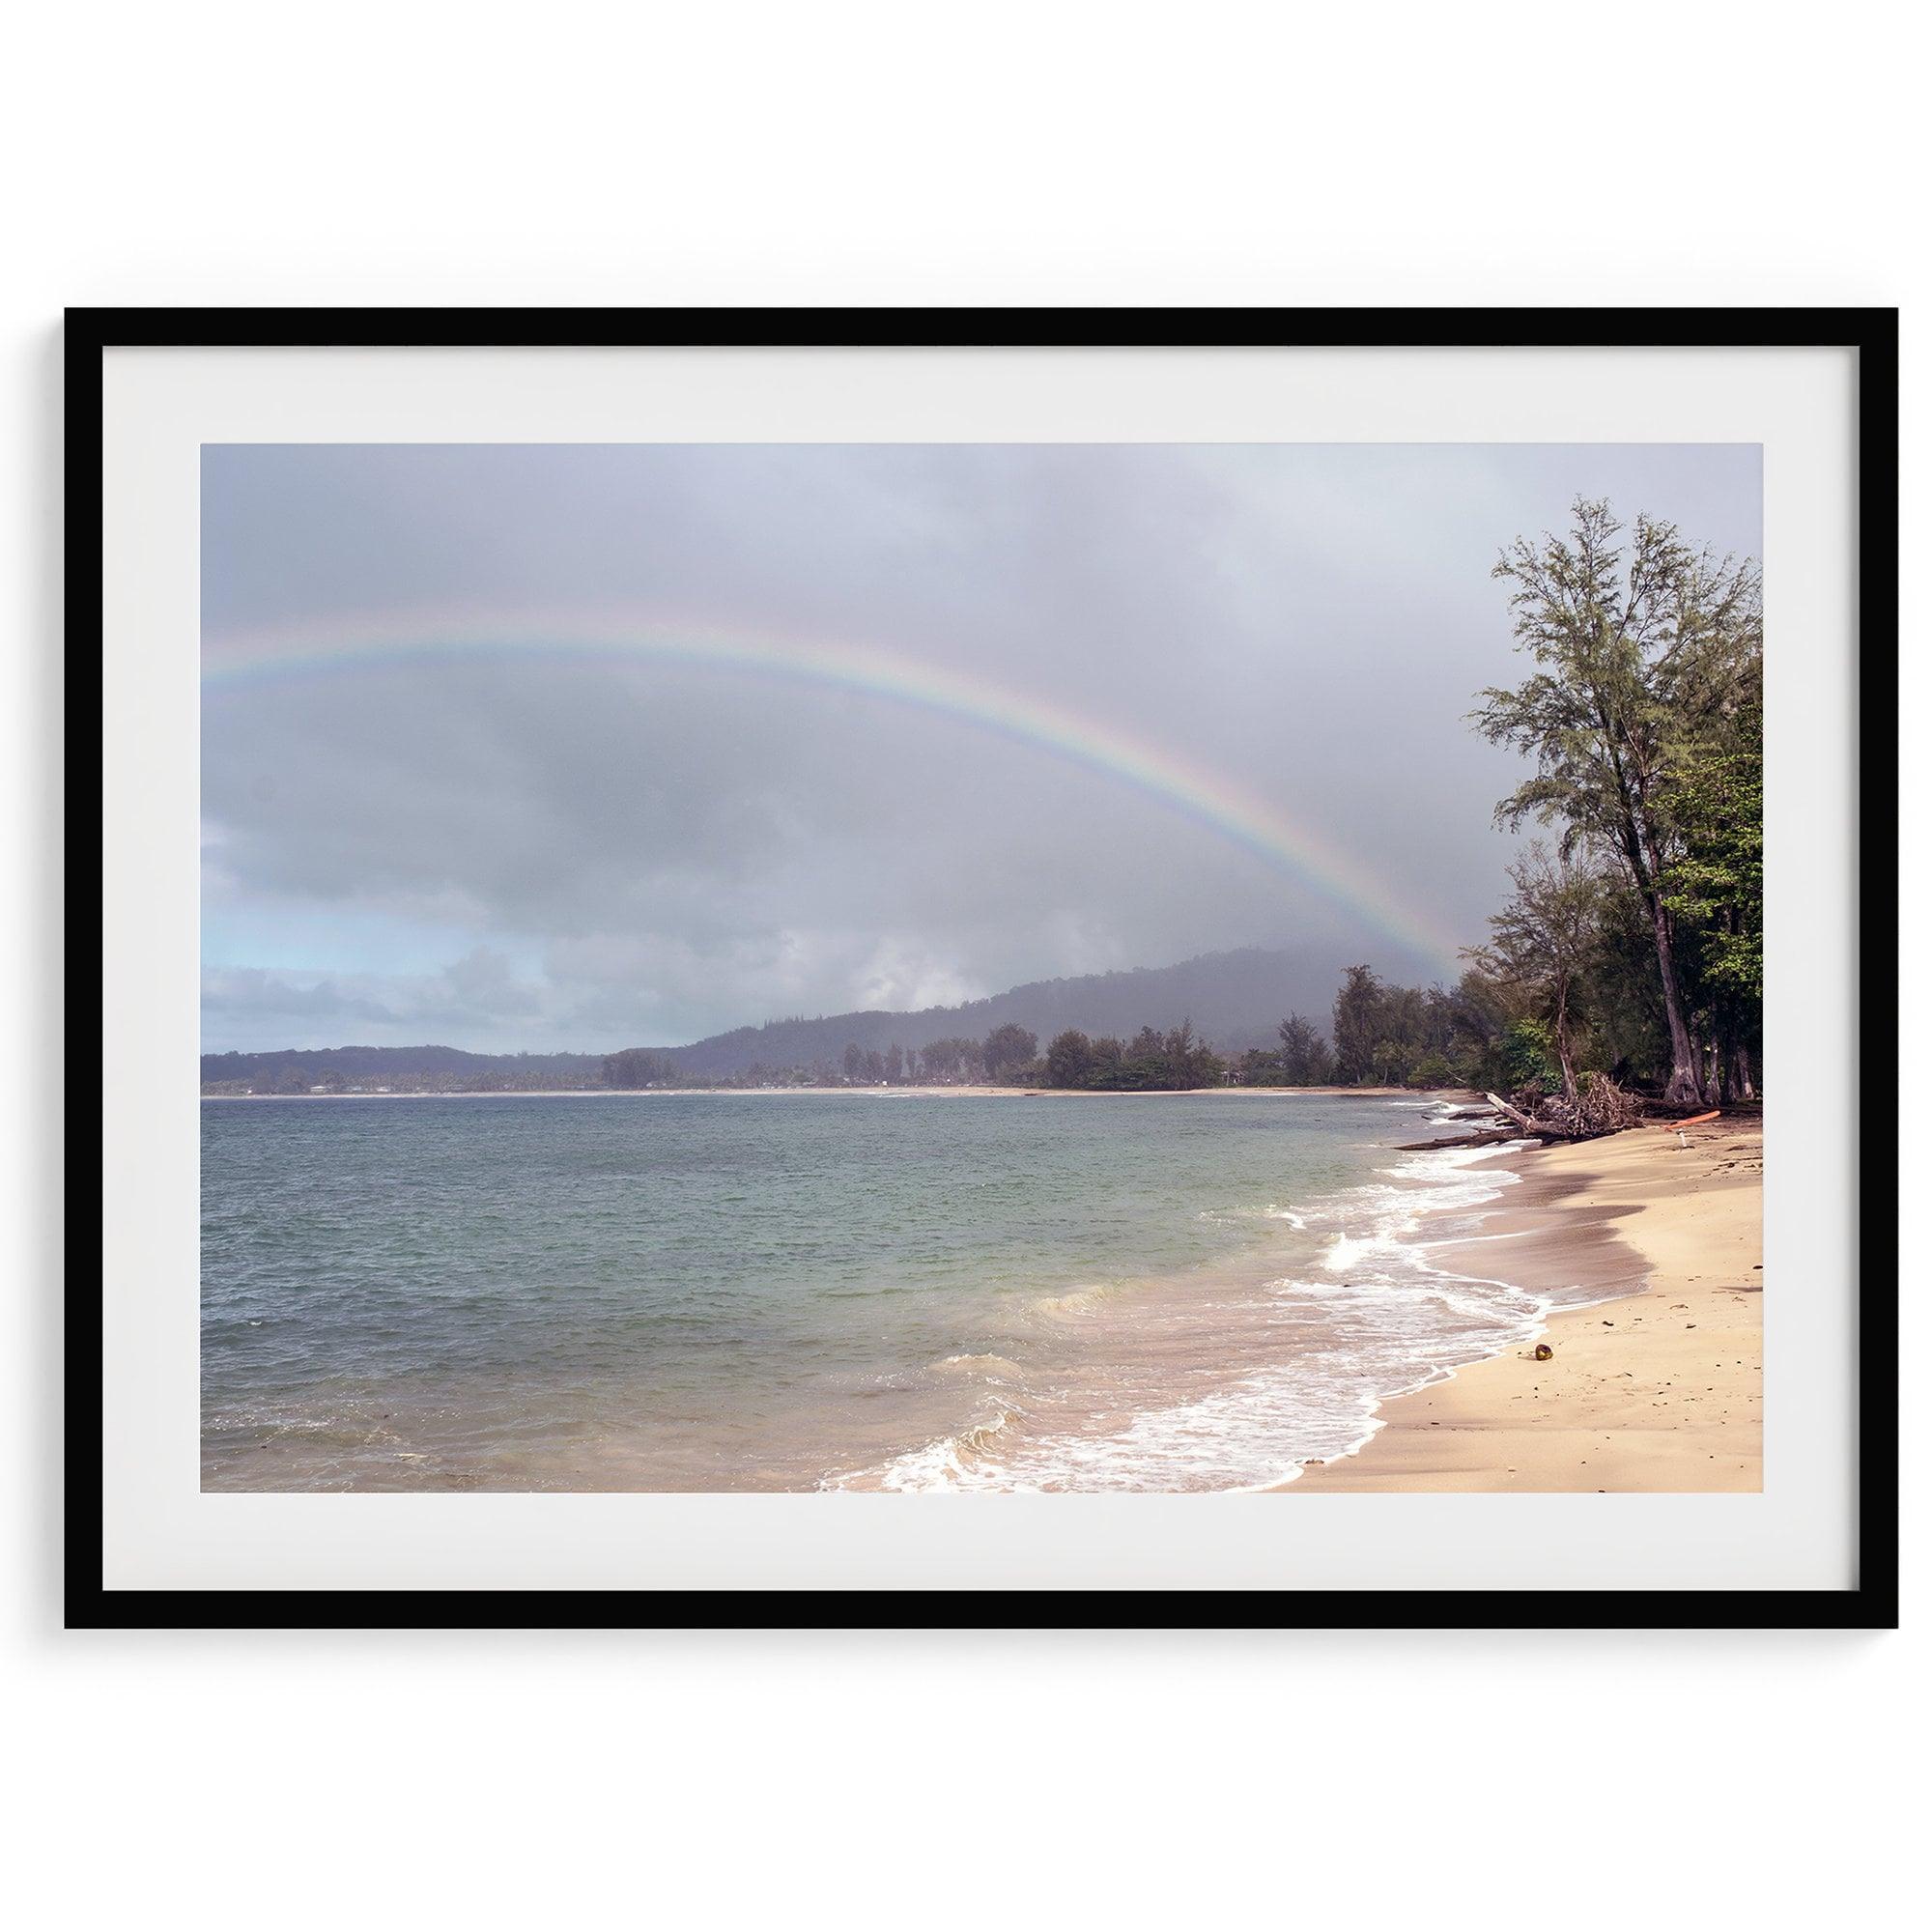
<point x="1633" y="948"/>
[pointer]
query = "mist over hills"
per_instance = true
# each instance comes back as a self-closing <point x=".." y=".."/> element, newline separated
<point x="1236" y="1000"/>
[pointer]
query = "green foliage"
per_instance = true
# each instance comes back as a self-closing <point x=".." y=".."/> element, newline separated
<point x="638" y="1066"/>
<point x="1544" y="942"/>
<point x="1304" y="1059"/>
<point x="1713" y="883"/>
<point x="1646" y="652"/>
<point x="1357" y="1028"/>
<point x="1529" y="1056"/>
<point x="1402" y="1035"/>
<point x="1152" y="1062"/>
<point x="1623" y="1028"/>
<point x="1258" y="1068"/>
<point x="1638" y="652"/>
<point x="1069" y="1060"/>
<point x="1007" y="1051"/>
<point x="949" y="1062"/>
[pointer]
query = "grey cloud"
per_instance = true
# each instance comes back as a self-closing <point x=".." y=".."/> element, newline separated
<point x="480" y="987"/>
<point x="663" y="852"/>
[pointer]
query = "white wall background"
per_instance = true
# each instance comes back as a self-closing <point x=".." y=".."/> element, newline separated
<point x="838" y="153"/>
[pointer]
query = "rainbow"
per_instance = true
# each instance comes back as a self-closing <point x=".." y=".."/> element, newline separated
<point x="241" y="661"/>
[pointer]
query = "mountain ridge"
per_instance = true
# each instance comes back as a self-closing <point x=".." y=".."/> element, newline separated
<point x="1232" y="997"/>
<point x="1235" y="999"/>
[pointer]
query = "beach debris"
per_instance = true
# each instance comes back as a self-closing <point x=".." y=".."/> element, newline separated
<point x="1599" y="1106"/>
<point x="1543" y="1131"/>
<point x="1543" y="1352"/>
<point x="1488" y="1137"/>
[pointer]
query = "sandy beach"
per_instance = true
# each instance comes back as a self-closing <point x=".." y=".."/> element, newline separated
<point x="1660" y="1390"/>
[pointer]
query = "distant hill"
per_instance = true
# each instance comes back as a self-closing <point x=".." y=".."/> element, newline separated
<point x="1236" y="1000"/>
<point x="296" y="1070"/>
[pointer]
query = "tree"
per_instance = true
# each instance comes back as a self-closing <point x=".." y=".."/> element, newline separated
<point x="1191" y="1061"/>
<point x="1527" y="1055"/>
<point x="1007" y="1048"/>
<point x="855" y="1062"/>
<point x="1389" y="1061"/>
<point x="1069" y="1060"/>
<point x="1433" y="1069"/>
<point x="1638" y="654"/>
<point x="1544" y="941"/>
<point x="950" y="1060"/>
<point x="894" y="1063"/>
<point x="1355" y="1029"/>
<point x="1715" y="889"/>
<point x="1144" y="1061"/>
<point x="1304" y="1053"/>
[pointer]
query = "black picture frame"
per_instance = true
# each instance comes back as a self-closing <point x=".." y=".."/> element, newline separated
<point x="1871" y="1604"/>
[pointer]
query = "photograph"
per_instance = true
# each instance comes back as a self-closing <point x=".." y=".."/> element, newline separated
<point x="1008" y="967"/>
<point x="896" y="890"/>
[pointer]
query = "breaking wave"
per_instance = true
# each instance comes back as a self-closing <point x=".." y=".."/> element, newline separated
<point x="1361" y="1313"/>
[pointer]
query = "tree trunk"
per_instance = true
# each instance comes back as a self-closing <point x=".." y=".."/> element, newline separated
<point x="1563" y="1047"/>
<point x="1684" y="1085"/>
<point x="1741" y="1073"/>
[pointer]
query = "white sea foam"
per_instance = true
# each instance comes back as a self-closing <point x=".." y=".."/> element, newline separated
<point x="1270" y="1212"/>
<point x="1374" y="1318"/>
<point x="986" y="1367"/>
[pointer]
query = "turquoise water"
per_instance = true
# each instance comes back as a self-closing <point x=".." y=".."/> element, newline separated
<point x="764" y="1291"/>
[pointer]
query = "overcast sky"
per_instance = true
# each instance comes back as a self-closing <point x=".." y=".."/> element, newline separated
<point x="553" y="853"/>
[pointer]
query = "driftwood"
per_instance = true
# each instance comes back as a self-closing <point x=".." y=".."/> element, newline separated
<point x="1597" y="1107"/>
<point x="1488" y="1137"/>
<point x="1544" y="1130"/>
<point x="1601" y="1107"/>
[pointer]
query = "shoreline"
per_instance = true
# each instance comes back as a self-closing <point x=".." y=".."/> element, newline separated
<point x="1653" y="1386"/>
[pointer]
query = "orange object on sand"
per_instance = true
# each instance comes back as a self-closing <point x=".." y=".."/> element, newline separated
<point x="1695" y="1120"/>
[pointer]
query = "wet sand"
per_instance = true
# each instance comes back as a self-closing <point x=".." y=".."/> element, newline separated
<point x="1660" y="1390"/>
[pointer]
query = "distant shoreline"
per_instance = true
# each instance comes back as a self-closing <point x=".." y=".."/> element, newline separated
<point x="874" y="1092"/>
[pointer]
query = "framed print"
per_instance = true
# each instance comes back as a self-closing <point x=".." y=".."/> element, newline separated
<point x="1119" y="966"/>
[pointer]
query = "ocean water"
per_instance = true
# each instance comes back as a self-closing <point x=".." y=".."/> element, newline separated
<point x="800" y="1291"/>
